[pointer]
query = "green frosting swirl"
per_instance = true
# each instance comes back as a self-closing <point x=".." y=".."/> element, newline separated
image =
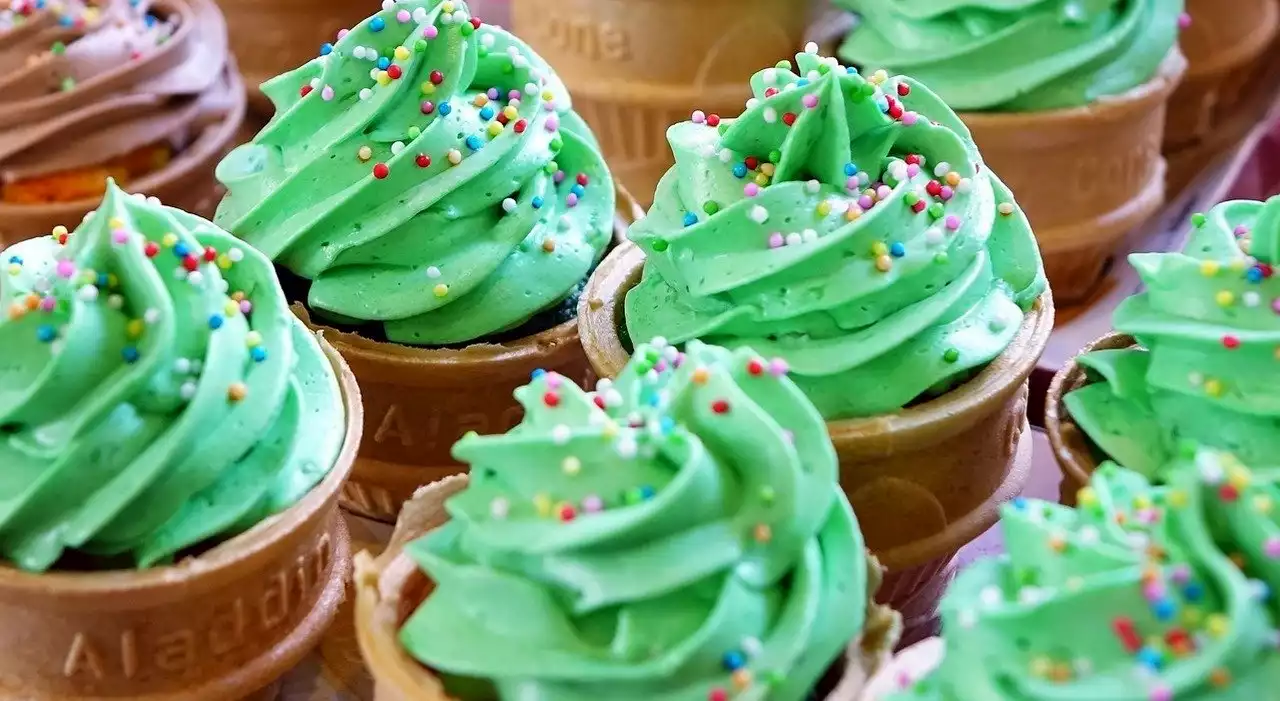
<point x="427" y="172"/>
<point x="1016" y="55"/>
<point x="1209" y="324"/>
<point x="1242" y="506"/>
<point x="677" y="535"/>
<point x="1126" y="599"/>
<point x="155" y="391"/>
<point x="846" y="225"/>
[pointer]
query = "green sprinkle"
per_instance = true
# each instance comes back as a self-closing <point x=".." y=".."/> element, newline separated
<point x="467" y="29"/>
<point x="414" y="132"/>
<point x="782" y="65"/>
<point x="420" y="45"/>
<point x="1197" y="220"/>
<point x="951" y="355"/>
<point x="767" y="495"/>
<point x="936" y="210"/>
<point x="856" y="95"/>
<point x="940" y="258"/>
<point x="868" y="89"/>
<point x="911" y="199"/>
<point x="659" y="245"/>
<point x="509" y="68"/>
<point x="711" y="207"/>
<point x="556" y="143"/>
<point x="552" y="168"/>
<point x="68" y="84"/>
<point x="775" y="156"/>
<point x="58" y="48"/>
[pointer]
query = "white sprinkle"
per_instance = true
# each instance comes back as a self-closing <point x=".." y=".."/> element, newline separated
<point x="759" y="214"/>
<point x="1031" y="595"/>
<point x="991" y="596"/>
<point x="195" y="278"/>
<point x="487" y="41"/>
<point x="942" y="169"/>
<point x="433" y="272"/>
<point x="530" y="89"/>
<point x="1089" y="534"/>
<point x="809" y="235"/>
<point x="188" y="390"/>
<point x="420" y="15"/>
<point x="613" y="398"/>
<point x="388" y="4"/>
<point x="934" y="236"/>
<point x="793" y="239"/>
<point x="1210" y="470"/>
<point x="627" y="447"/>
<point x="561" y="434"/>
<point x="726" y="155"/>
<point x="179" y="273"/>
<point x="397" y="147"/>
<point x="812" y="187"/>
<point x="753" y="103"/>
<point x="196" y="366"/>
<point x="967" y="618"/>
<point x="1251" y="299"/>
<point x="358" y="52"/>
<point x="182" y="366"/>
<point x="605" y="384"/>
<point x="115" y="302"/>
<point x="811" y="47"/>
<point x="770" y="115"/>
<point x="509" y="205"/>
<point x="752" y="647"/>
<point x="315" y="83"/>
<point x="770" y="75"/>
<point x="499" y="508"/>
<point x="327" y="93"/>
<point x="365" y="93"/>
<point x="707" y="151"/>
<point x="151" y="316"/>
<point x="964" y="186"/>
<point x="88" y="293"/>
<point x="235" y="255"/>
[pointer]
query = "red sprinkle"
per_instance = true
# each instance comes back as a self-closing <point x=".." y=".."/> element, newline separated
<point x="934" y="188"/>
<point x="1228" y="492"/>
<point x="904" y="89"/>
<point x="210" y="254"/>
<point x="381" y="171"/>
<point x="1128" y="634"/>
<point x="190" y="263"/>
<point x="789" y="118"/>
<point x="423" y="160"/>
<point x="567" y="513"/>
<point x="151" y="249"/>
<point x="475" y="23"/>
<point x="713" y="120"/>
<point x="599" y="401"/>
<point x="913" y="159"/>
<point x="394" y="72"/>
<point x="582" y="179"/>
<point x="436" y="77"/>
<point x="1230" y="342"/>
<point x="918" y="207"/>
<point x="755" y="367"/>
<point x="717" y="694"/>
<point x="770" y="92"/>
<point x="752" y="162"/>
<point x="304" y="91"/>
<point x="895" y="111"/>
<point x="551" y="399"/>
<point x="720" y="406"/>
<point x="521" y="126"/>
<point x="428" y="107"/>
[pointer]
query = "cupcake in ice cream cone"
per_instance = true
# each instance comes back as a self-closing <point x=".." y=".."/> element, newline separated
<point x="174" y="441"/>
<point x="1066" y="101"/>
<point x="676" y="535"/>
<point x="142" y="92"/>
<point x="430" y="190"/>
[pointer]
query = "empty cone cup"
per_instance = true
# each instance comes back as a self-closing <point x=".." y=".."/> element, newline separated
<point x="636" y="68"/>
<point x="222" y="626"/>
<point x="924" y="481"/>
<point x="1073" y="450"/>
<point x="391" y="587"/>
<point x="1086" y="176"/>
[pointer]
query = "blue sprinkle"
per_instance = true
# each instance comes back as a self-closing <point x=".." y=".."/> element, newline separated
<point x="578" y="190"/>
<point x="151" y="20"/>
<point x="1164" y="609"/>
<point x="130" y="354"/>
<point x="384" y="62"/>
<point x="740" y="170"/>
<point x="1150" y="658"/>
<point x="883" y="105"/>
<point x="258" y="354"/>
<point x="690" y="219"/>
<point x="444" y="109"/>
<point x="66" y="21"/>
<point x="667" y="424"/>
<point x="486" y="113"/>
<point x="537" y="203"/>
<point x="647" y="492"/>
<point x="46" y="333"/>
<point x="15" y="259"/>
<point x="180" y="250"/>
<point x="103" y="280"/>
<point x="215" y="322"/>
<point x="377" y="24"/>
<point x="326" y="49"/>
<point x="1254" y="274"/>
<point x="850" y="169"/>
<point x="1193" y="592"/>
<point x="851" y="70"/>
<point x="537" y="374"/>
<point x="897" y="250"/>
<point x="1020" y="503"/>
<point x="473" y="142"/>
<point x="734" y="661"/>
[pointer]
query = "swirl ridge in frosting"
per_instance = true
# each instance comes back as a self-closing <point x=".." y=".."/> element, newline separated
<point x="846" y="224"/>
<point x="156" y="392"/>
<point x="426" y="172"/>
<point x="678" y="534"/>
<point x="1016" y="55"/>
<point x="1208" y="323"/>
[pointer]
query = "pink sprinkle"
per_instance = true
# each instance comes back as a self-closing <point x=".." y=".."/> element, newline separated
<point x="1161" y="693"/>
<point x="699" y="117"/>
<point x="751" y="190"/>
<point x="47" y="304"/>
<point x="326" y="93"/>
<point x="552" y="124"/>
<point x="810" y="101"/>
<point x="513" y="95"/>
<point x="571" y="200"/>
<point x="66" y="268"/>
<point x="428" y="107"/>
<point x="246" y="306"/>
<point x="1184" y="20"/>
<point x="910" y="118"/>
<point x="776" y="240"/>
<point x="592" y="504"/>
<point x="554" y="380"/>
<point x="1272" y="548"/>
<point x="679" y="359"/>
<point x="119" y="236"/>
<point x="953" y="222"/>
<point x="431" y="32"/>
<point x="660" y="367"/>
<point x="851" y="183"/>
<point x="778" y="367"/>
<point x="883" y="192"/>
<point x="342" y="33"/>
<point x="947" y="193"/>
<point x="403" y="16"/>
<point x="912" y="170"/>
<point x="549" y="106"/>
<point x="558" y="177"/>
<point x="1275" y="305"/>
<point x="1181" y="574"/>
<point x="1153" y="591"/>
<point x="1241" y="230"/>
<point x="865" y="202"/>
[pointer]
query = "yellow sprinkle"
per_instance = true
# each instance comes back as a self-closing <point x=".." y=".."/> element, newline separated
<point x="853" y="214"/>
<point x="742" y="679"/>
<point x="495" y="128"/>
<point x="542" y="503"/>
<point x="365" y="153"/>
<point x="610" y="429"/>
<point x="1262" y="504"/>
<point x="113" y="280"/>
<point x="428" y="88"/>
<point x="253" y="339"/>
<point x="1086" y="497"/>
<point x="115" y="223"/>
<point x="1192" y="616"/>
<point x="884" y="264"/>
<point x="169" y="240"/>
<point x="762" y="179"/>
<point x="59" y="231"/>
<point x="953" y="178"/>
<point x="1209" y="268"/>
<point x="879" y="76"/>
<point x="824" y="208"/>
<point x="401" y="53"/>
<point x="511" y="113"/>
<point x="768" y="169"/>
<point x="224" y="262"/>
<point x="548" y="96"/>
<point x="1237" y="265"/>
<point x="481" y="100"/>
<point x="1239" y="477"/>
<point x="446" y="6"/>
<point x="15" y="269"/>
<point x="1225" y="298"/>
<point x="1005" y="208"/>
<point x="230" y="309"/>
<point x="382" y="78"/>
<point x="879" y="249"/>
<point x="1141" y="502"/>
<point x="440" y="290"/>
<point x="237" y="391"/>
<point x="1213" y="388"/>
<point x="1041" y="666"/>
<point x="1177" y="498"/>
<point x="700" y="376"/>
<point x="1217" y="625"/>
<point x="571" y="465"/>
<point x="135" y="328"/>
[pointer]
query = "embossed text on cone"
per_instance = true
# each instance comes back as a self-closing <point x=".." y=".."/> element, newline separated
<point x="221" y="626"/>
<point x="636" y="68"/>
<point x="1086" y="176"/>
<point x="391" y="587"/>
<point x="924" y="481"/>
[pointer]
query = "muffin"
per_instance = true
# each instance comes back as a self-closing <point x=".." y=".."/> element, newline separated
<point x="1207" y="329"/>
<point x="174" y="442"/>
<point x="435" y="198"/>
<point x="635" y="68"/>
<point x="850" y="228"/>
<point x="1129" y="597"/>
<point x="1066" y="101"/>
<point x="142" y="92"/>
<point x="676" y="534"/>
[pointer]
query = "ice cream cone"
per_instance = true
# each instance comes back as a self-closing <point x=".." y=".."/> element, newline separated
<point x="269" y="38"/>
<point x="220" y="626"/>
<point x="1071" y="447"/>
<point x="924" y="481"/>
<point x="1085" y="176"/>
<point x="390" y="587"/>
<point x="636" y="68"/>
<point x="1223" y="44"/>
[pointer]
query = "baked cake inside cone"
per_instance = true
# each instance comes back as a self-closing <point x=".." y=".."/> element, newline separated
<point x="652" y="459"/>
<point x="175" y="442"/>
<point x="440" y="203"/>
<point x="144" y="93"/>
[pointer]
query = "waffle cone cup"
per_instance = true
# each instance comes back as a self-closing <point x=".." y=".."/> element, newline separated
<point x="636" y="68"/>
<point x="1223" y="45"/>
<point x="924" y="481"/>
<point x="185" y="182"/>
<point x="220" y="626"/>
<point x="271" y="37"/>
<point x="1085" y="176"/>
<point x="1073" y="450"/>
<point x="390" y="588"/>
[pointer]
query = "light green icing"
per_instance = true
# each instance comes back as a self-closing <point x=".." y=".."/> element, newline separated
<point x="1242" y="505"/>
<point x="119" y="433"/>
<point x="866" y="327"/>
<point x="721" y="537"/>
<point x="1045" y="622"/>
<point x="438" y="254"/>
<point x="1209" y="366"/>
<point x="1016" y="55"/>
